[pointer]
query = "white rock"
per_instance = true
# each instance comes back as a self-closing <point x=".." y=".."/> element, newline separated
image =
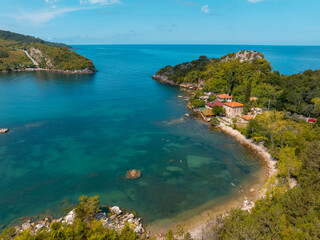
<point x="70" y="217"/>
<point x="116" y="210"/>
<point x="25" y="226"/>
<point x="130" y="216"/>
<point x="39" y="226"/>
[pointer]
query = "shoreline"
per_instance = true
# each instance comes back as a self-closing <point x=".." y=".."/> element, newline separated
<point x="83" y="71"/>
<point x="197" y="223"/>
<point x="196" y="220"/>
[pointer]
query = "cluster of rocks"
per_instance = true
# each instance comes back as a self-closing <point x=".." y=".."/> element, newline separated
<point x="116" y="220"/>
<point x="119" y="219"/>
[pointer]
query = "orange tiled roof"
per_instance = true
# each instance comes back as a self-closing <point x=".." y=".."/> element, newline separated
<point x="247" y="118"/>
<point x="224" y="96"/>
<point x="234" y="104"/>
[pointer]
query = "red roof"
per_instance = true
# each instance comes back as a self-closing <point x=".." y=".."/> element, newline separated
<point x="312" y="120"/>
<point x="247" y="118"/>
<point x="234" y="104"/>
<point x="215" y="103"/>
<point x="223" y="96"/>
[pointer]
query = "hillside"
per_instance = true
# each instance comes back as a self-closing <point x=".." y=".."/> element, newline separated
<point x="248" y="74"/>
<point x="25" y="53"/>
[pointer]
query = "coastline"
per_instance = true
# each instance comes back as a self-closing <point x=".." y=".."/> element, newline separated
<point x="83" y="71"/>
<point x="197" y="223"/>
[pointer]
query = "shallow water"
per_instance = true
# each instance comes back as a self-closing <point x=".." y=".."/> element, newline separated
<point x="72" y="135"/>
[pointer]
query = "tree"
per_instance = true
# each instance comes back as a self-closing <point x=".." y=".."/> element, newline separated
<point x="217" y="110"/>
<point x="288" y="163"/>
<point x="87" y="208"/>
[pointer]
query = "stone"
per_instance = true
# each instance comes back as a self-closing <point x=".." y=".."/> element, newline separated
<point x="25" y="226"/>
<point x="116" y="210"/>
<point x="4" y="130"/>
<point x="252" y="190"/>
<point x="100" y="215"/>
<point x="187" y="115"/>
<point x="133" y="174"/>
<point x="131" y="216"/>
<point x="39" y="226"/>
<point x="69" y="219"/>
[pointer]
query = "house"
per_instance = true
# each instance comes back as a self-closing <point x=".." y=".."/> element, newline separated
<point x="247" y="118"/>
<point x="224" y="98"/>
<point x="206" y="113"/>
<point x="233" y="109"/>
<point x="214" y="103"/>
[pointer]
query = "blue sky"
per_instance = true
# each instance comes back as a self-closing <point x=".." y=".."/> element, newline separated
<point x="271" y="22"/>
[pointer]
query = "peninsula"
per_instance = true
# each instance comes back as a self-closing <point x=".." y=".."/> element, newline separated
<point x="241" y="94"/>
<point x="25" y="53"/>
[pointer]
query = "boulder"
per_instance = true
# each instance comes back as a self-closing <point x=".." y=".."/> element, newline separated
<point x="131" y="216"/>
<point x="69" y="219"/>
<point x="39" y="226"/>
<point x="4" y="130"/>
<point x="116" y="210"/>
<point x="25" y="226"/>
<point x="133" y="174"/>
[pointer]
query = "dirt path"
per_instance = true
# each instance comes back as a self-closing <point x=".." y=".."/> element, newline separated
<point x="33" y="61"/>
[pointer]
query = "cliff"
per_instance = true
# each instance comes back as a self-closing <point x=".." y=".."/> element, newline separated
<point x="25" y="53"/>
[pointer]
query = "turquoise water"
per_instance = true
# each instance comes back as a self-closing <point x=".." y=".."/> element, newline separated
<point x="79" y="134"/>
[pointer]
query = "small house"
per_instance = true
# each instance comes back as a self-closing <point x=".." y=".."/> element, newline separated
<point x="247" y="118"/>
<point x="214" y="103"/>
<point x="206" y="113"/>
<point x="233" y="109"/>
<point x="224" y="98"/>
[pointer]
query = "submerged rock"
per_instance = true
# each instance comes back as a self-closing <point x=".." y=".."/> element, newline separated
<point x="133" y="174"/>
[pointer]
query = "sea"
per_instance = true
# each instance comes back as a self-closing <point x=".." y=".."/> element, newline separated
<point x="73" y="135"/>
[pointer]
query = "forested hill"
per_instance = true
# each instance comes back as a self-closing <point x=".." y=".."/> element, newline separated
<point x="20" y="52"/>
<point x="248" y="74"/>
<point x="25" y="39"/>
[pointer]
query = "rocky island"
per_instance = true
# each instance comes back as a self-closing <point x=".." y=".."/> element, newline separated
<point x="25" y="53"/>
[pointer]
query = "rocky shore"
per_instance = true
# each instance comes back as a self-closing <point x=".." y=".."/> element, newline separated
<point x="115" y="219"/>
<point x="164" y="79"/>
<point x="82" y="71"/>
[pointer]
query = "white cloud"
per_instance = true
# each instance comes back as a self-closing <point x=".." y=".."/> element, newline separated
<point x="38" y="18"/>
<point x="205" y="9"/>
<point x="255" y="1"/>
<point x="51" y="1"/>
<point x="101" y="2"/>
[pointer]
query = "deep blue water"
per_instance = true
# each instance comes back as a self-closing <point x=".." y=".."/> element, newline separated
<point x="79" y="134"/>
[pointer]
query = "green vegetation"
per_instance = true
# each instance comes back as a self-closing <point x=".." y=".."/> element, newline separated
<point x="284" y="213"/>
<point x="298" y="93"/>
<point x="85" y="226"/>
<point x="48" y="55"/>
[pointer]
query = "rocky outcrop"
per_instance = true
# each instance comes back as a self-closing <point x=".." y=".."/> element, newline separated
<point x="4" y="130"/>
<point x="243" y="56"/>
<point x="116" y="219"/>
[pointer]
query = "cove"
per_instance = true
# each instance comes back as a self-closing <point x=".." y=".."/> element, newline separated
<point x="79" y="134"/>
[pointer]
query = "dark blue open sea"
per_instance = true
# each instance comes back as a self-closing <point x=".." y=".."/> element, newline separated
<point x="79" y="134"/>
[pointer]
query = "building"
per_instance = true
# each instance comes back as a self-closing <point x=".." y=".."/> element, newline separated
<point x="247" y="118"/>
<point x="214" y="103"/>
<point x="233" y="109"/>
<point x="206" y="114"/>
<point x="224" y="98"/>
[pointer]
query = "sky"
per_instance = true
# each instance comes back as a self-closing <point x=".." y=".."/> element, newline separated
<point x="258" y="22"/>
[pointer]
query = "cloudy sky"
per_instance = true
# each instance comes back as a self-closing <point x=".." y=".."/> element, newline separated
<point x="274" y="22"/>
